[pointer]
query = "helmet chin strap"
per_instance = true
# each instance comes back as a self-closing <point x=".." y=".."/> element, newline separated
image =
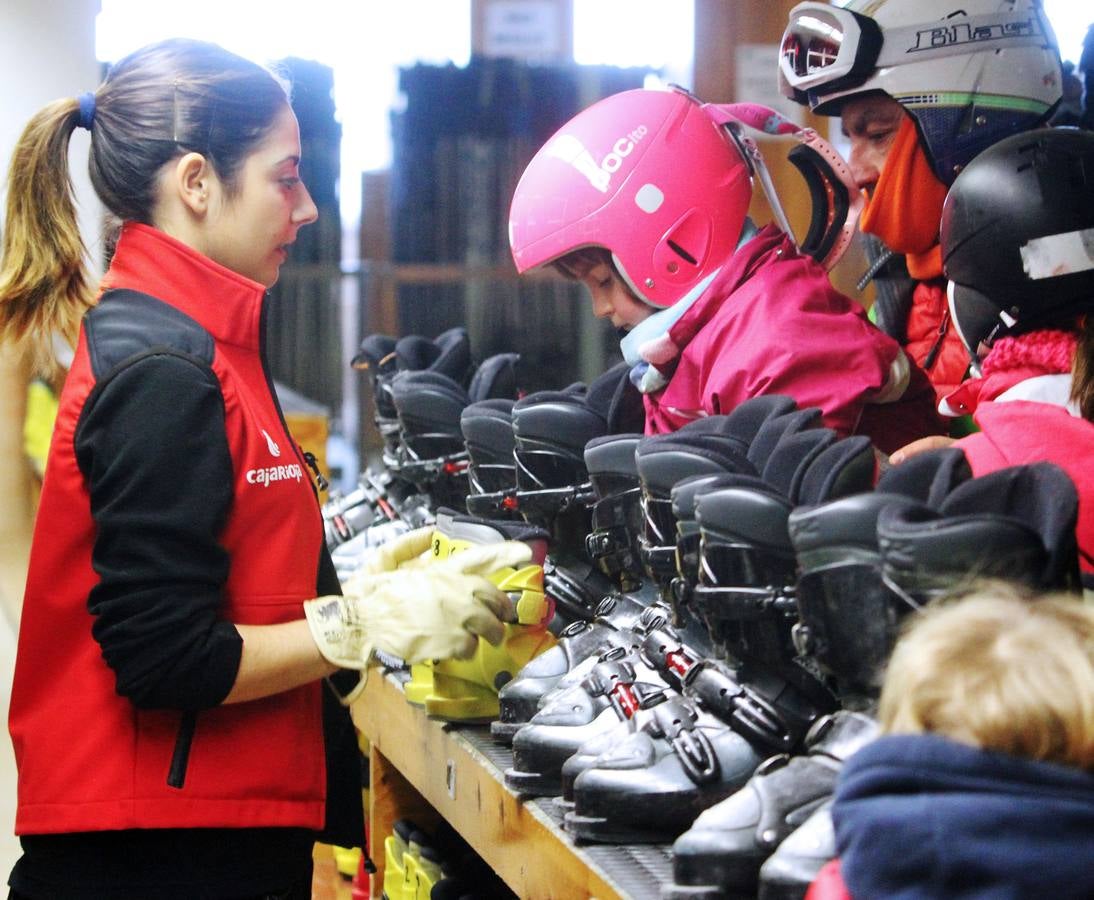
<point x="836" y="199"/>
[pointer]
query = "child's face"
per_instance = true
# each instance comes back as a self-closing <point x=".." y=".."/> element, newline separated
<point x="612" y="299"/>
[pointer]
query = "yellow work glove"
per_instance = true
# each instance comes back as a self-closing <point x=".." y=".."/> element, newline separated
<point x="437" y="611"/>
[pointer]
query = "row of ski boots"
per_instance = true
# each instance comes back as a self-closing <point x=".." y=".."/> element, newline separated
<point x="430" y="410"/>
<point x="752" y="580"/>
<point x="686" y="754"/>
<point x="744" y="585"/>
<point x="863" y="562"/>
<point x="419" y="387"/>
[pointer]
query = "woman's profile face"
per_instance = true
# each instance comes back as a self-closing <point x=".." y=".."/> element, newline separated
<point x="871" y="124"/>
<point x="250" y="231"/>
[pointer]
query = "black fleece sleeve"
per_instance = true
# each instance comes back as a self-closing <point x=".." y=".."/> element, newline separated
<point x="153" y="448"/>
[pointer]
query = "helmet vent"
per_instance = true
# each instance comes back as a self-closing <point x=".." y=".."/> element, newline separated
<point x="680" y="251"/>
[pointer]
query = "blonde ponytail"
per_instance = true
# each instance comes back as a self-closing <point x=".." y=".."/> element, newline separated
<point x="44" y="282"/>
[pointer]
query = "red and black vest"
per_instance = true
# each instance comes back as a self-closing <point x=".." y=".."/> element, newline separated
<point x="89" y="758"/>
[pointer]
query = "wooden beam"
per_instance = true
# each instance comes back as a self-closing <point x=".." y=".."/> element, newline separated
<point x="415" y="759"/>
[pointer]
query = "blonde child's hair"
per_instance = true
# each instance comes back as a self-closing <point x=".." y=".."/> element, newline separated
<point x="999" y="668"/>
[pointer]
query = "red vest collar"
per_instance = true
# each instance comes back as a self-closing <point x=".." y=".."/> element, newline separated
<point x="228" y="305"/>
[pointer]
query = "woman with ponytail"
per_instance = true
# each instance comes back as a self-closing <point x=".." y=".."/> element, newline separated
<point x="173" y="734"/>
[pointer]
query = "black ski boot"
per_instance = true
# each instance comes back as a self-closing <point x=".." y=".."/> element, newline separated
<point x="487" y="428"/>
<point x="654" y="783"/>
<point x="1016" y="523"/>
<point x="721" y="854"/>
<point x="796" y="862"/>
<point x="612" y="546"/>
<point x="611" y="692"/>
<point x="699" y="759"/>
<point x="711" y="687"/>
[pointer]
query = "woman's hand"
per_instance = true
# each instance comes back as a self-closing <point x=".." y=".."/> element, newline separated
<point x="934" y="442"/>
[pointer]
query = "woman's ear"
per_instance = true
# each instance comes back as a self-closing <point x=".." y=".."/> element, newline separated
<point x="192" y="180"/>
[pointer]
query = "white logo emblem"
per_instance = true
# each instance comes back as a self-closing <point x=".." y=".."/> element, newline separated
<point x="275" y="451"/>
<point x="570" y="150"/>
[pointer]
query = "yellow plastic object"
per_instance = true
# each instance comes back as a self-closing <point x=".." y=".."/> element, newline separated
<point x="42" y="403"/>
<point x="412" y="863"/>
<point x="467" y="689"/>
<point x="346" y="860"/>
<point x="395" y="854"/>
<point x="428" y="874"/>
<point x="420" y="685"/>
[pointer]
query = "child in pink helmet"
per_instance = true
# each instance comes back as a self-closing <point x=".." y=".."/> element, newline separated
<point x="644" y="197"/>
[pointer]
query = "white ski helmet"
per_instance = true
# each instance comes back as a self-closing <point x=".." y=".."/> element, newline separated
<point x="969" y="72"/>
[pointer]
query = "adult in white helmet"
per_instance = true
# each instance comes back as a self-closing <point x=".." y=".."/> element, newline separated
<point x="644" y="197"/>
<point x="922" y="87"/>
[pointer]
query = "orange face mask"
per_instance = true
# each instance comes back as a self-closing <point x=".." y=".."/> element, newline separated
<point x="906" y="207"/>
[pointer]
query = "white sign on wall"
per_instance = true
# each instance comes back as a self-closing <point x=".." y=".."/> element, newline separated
<point x="522" y="29"/>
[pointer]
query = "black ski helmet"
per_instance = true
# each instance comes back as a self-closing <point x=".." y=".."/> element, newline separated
<point x="1018" y="235"/>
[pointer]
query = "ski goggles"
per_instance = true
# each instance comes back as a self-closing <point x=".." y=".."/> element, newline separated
<point x="825" y="44"/>
<point x="827" y="48"/>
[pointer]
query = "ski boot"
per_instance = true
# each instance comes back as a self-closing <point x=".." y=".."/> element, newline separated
<point x="769" y="726"/>
<point x="849" y="617"/>
<point x="701" y="460"/>
<point x="487" y="428"/>
<point x="721" y="854"/>
<point x="654" y="783"/>
<point x="430" y="453"/>
<point x="611" y="692"/>
<point x="376" y="357"/>
<point x="612" y="542"/>
<point x="551" y="430"/>
<point x="612" y="546"/>
<point x="585" y="756"/>
<point x="568" y="662"/>
<point x="427" y="872"/>
<point x="728" y="723"/>
<point x="788" y="872"/>
<point x="397" y="851"/>
<point x="1016" y="523"/>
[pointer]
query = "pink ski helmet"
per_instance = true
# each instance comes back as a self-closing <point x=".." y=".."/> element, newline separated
<point x="648" y="175"/>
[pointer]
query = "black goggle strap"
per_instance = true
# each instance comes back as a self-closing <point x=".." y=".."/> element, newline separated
<point x="826" y="173"/>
